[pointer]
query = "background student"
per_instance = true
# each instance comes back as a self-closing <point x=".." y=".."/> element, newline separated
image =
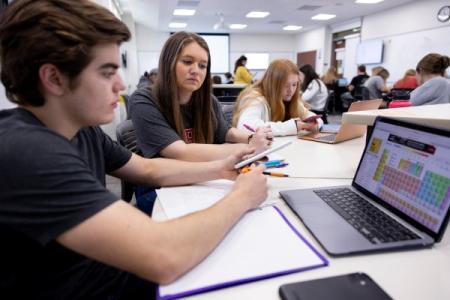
<point x="354" y="88"/>
<point x="64" y="236"/>
<point x="376" y="84"/>
<point x="274" y="101"/>
<point x="314" y="91"/>
<point x="241" y="73"/>
<point x="408" y="82"/>
<point x="148" y="79"/>
<point x="434" y="87"/>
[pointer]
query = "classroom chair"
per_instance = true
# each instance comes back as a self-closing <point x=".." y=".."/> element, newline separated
<point x="126" y="137"/>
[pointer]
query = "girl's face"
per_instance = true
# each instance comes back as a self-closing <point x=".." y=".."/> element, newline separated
<point x="301" y="76"/>
<point x="290" y="87"/>
<point x="190" y="69"/>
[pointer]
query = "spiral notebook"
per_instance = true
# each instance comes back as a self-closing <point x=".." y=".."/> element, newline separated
<point x="263" y="244"/>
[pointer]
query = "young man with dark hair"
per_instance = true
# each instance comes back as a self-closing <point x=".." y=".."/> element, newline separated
<point x="64" y="236"/>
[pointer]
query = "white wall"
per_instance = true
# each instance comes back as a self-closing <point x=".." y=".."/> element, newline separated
<point x="409" y="32"/>
<point x="130" y="73"/>
<point x="4" y="102"/>
<point x="319" y="40"/>
<point x="149" y="44"/>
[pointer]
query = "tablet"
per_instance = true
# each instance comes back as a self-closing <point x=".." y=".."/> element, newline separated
<point x="355" y="286"/>
<point x="275" y="147"/>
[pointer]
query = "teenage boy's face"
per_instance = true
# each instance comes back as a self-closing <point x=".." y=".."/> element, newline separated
<point x="191" y="68"/>
<point x="96" y="95"/>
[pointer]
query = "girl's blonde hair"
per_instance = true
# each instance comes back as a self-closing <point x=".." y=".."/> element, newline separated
<point x="271" y="87"/>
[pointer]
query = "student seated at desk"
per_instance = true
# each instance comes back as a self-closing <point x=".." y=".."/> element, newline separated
<point x="408" y="82"/>
<point x="376" y="84"/>
<point x="314" y="91"/>
<point x="179" y="118"/>
<point x="434" y="88"/>
<point x="64" y="235"/>
<point x="274" y="100"/>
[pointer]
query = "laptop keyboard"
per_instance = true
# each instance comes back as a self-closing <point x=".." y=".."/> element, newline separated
<point x="327" y="138"/>
<point x="371" y="222"/>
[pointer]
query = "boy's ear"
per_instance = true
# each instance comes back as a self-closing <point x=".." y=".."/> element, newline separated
<point x="52" y="80"/>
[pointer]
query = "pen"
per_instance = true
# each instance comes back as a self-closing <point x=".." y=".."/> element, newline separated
<point x="249" y="128"/>
<point x="248" y="169"/>
<point x="276" y="174"/>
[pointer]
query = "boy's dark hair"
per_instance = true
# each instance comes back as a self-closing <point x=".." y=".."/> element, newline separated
<point x="58" y="32"/>
<point x="362" y="68"/>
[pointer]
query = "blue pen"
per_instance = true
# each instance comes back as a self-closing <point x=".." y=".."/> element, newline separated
<point x="273" y="162"/>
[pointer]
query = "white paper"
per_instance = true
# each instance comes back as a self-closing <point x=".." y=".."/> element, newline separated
<point x="260" y="244"/>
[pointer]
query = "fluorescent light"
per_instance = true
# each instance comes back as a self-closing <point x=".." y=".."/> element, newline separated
<point x="238" y="26"/>
<point x="177" y="25"/>
<point x="183" y="12"/>
<point x="292" y="27"/>
<point x="257" y="14"/>
<point x="368" y="1"/>
<point x="323" y="17"/>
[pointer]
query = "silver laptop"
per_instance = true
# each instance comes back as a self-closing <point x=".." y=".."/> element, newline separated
<point x="346" y="131"/>
<point x="399" y="197"/>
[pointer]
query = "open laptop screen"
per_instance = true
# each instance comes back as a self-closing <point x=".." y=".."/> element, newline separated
<point x="408" y="168"/>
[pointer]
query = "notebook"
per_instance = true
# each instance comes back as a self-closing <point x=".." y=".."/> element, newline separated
<point x="263" y="244"/>
<point x="399" y="197"/>
<point x="346" y="131"/>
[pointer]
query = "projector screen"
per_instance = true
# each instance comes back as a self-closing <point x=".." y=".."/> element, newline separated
<point x="369" y="52"/>
<point x="219" y="47"/>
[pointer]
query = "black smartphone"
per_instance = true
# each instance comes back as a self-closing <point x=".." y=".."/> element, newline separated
<point x="354" y="286"/>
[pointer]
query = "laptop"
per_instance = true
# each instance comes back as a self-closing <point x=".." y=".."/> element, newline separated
<point x="347" y="131"/>
<point x="399" y="197"/>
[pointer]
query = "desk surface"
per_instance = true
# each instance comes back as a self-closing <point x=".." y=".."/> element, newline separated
<point x="432" y="115"/>
<point x="416" y="274"/>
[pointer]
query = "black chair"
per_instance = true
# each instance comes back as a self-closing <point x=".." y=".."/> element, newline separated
<point x="227" y="109"/>
<point x="127" y="138"/>
<point x="227" y="98"/>
<point x="365" y="94"/>
<point x="324" y="112"/>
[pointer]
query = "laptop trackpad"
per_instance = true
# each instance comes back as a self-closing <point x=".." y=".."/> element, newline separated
<point x="332" y="231"/>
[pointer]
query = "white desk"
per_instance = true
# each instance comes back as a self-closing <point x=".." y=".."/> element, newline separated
<point x="416" y="274"/>
<point x="432" y="115"/>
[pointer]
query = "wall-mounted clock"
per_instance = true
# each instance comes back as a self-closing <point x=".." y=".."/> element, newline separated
<point x="443" y="14"/>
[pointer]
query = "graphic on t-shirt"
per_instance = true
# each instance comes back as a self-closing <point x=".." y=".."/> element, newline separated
<point x="188" y="135"/>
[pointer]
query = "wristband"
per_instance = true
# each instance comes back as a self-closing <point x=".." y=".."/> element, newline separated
<point x="249" y="138"/>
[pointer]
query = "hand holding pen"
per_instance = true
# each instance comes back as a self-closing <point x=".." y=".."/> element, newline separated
<point x="261" y="138"/>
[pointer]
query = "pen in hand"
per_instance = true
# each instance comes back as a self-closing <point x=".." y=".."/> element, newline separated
<point x="251" y="129"/>
<point x="275" y="174"/>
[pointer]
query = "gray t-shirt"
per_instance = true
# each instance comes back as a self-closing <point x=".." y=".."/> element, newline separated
<point x="374" y="84"/>
<point x="433" y="91"/>
<point x="153" y="131"/>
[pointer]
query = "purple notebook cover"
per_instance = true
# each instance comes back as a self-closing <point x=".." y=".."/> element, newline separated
<point x="255" y="278"/>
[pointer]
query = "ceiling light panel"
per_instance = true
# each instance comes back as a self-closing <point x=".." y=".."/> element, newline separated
<point x="368" y="1"/>
<point x="183" y="12"/>
<point x="323" y="17"/>
<point x="257" y="14"/>
<point x="292" y="27"/>
<point x="238" y="26"/>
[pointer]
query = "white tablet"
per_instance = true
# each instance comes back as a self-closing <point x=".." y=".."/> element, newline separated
<point x="274" y="148"/>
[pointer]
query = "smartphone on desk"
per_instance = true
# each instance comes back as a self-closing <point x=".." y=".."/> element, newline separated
<point x="354" y="286"/>
<point x="311" y="119"/>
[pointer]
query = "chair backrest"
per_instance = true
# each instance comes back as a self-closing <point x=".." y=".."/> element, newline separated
<point x="365" y="93"/>
<point x="126" y="137"/>
<point x="232" y="98"/>
<point x="227" y="109"/>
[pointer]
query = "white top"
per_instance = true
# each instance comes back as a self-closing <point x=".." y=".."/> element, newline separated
<point x="316" y="95"/>
<point x="257" y="114"/>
